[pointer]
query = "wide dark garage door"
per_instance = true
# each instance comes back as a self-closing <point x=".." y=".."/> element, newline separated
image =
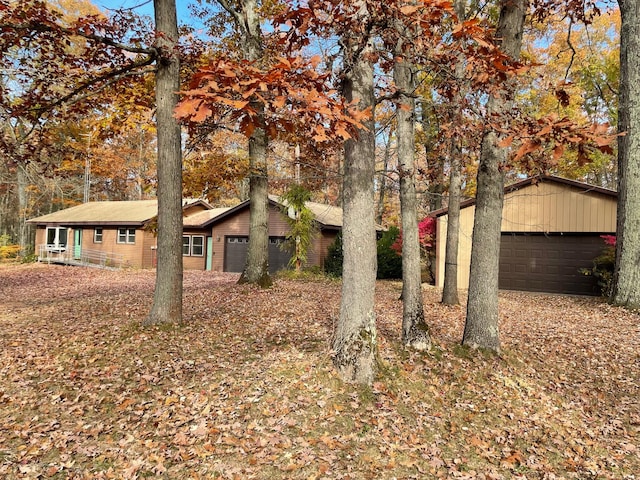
<point x="235" y="254"/>
<point x="549" y="263"/>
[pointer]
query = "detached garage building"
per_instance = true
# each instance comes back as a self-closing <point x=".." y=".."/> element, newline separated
<point x="551" y="228"/>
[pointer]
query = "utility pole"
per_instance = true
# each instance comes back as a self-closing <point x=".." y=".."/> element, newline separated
<point x="87" y="168"/>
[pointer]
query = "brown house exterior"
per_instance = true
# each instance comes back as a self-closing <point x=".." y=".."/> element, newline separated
<point x="121" y="234"/>
<point x="229" y="230"/>
<point x="551" y="228"/>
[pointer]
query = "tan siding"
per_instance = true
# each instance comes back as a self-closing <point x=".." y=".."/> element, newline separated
<point x="550" y="207"/>
<point x="546" y="207"/>
<point x="194" y="262"/>
<point x="464" y="246"/>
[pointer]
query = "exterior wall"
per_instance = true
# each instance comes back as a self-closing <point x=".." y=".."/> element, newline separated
<point x="546" y="207"/>
<point x="320" y="244"/>
<point x="552" y="207"/>
<point x="238" y="224"/>
<point x="464" y="246"/>
<point x="194" y="262"/>
<point x="137" y="255"/>
<point x="133" y="254"/>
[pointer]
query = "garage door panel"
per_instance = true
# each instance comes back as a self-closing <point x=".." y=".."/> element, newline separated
<point x="235" y="254"/>
<point x="549" y="263"/>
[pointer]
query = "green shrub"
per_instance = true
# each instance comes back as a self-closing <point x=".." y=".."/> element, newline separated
<point x="602" y="269"/>
<point x="389" y="262"/>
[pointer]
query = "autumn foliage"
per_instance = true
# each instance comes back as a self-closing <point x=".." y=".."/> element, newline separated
<point x="241" y="390"/>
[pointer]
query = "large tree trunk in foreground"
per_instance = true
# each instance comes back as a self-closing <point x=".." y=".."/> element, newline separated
<point x="481" y="326"/>
<point x="355" y="342"/>
<point x="167" y="298"/>
<point x="626" y="287"/>
<point x="415" y="333"/>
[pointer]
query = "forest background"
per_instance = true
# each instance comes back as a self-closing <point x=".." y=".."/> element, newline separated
<point x="574" y="76"/>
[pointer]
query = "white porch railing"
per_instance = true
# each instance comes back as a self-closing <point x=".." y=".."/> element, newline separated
<point x="87" y="257"/>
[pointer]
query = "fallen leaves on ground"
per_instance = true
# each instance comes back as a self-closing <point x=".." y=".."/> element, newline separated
<point x="245" y="387"/>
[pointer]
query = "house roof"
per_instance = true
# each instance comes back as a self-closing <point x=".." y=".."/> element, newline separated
<point x="327" y="216"/>
<point x="586" y="187"/>
<point x="130" y="212"/>
<point x="201" y="218"/>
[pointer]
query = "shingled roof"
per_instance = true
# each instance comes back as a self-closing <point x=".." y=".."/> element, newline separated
<point x="133" y="212"/>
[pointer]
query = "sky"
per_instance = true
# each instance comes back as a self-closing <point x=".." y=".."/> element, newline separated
<point x="145" y="7"/>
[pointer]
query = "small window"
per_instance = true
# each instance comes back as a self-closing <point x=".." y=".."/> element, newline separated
<point x="197" y="246"/>
<point x="186" y="245"/>
<point x="97" y="235"/>
<point x="127" y="235"/>
<point x="231" y="240"/>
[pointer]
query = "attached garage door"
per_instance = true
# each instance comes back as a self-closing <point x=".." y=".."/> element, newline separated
<point x="549" y="263"/>
<point x="235" y="254"/>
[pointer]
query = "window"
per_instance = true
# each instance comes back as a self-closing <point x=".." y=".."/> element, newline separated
<point x="197" y="246"/>
<point x="97" y="235"/>
<point x="126" y="235"/>
<point x="56" y="239"/>
<point x="186" y="245"/>
<point x="193" y="245"/>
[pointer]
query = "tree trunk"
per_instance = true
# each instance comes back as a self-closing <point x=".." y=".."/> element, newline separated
<point x="415" y="333"/>
<point x="481" y="326"/>
<point x="167" y="298"/>
<point x="24" y="237"/>
<point x="355" y="343"/>
<point x="383" y="183"/>
<point x="450" y="288"/>
<point x="256" y="268"/>
<point x="626" y="286"/>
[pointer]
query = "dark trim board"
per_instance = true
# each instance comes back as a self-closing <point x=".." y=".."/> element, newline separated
<point x="549" y="262"/>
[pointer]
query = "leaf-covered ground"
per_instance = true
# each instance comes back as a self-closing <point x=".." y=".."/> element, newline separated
<point x="245" y="387"/>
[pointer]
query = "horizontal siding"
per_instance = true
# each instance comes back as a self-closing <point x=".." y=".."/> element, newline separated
<point x="546" y="207"/>
<point x="549" y="207"/>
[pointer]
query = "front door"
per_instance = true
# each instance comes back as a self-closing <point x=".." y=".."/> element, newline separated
<point x="77" y="244"/>
<point x="209" y="253"/>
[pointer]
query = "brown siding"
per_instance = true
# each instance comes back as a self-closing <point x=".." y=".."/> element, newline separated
<point x="193" y="262"/>
<point x="238" y="224"/>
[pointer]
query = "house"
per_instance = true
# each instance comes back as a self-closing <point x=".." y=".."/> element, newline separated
<point x="551" y="228"/>
<point x="118" y="233"/>
<point x="228" y="238"/>
<point x="121" y="233"/>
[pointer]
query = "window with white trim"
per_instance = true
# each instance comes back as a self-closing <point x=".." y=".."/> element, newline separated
<point x="193" y="245"/>
<point x="56" y="239"/>
<point x="127" y="235"/>
<point x="97" y="235"/>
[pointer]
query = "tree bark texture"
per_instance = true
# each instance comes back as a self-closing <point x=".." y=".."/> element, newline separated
<point x="355" y="340"/>
<point x="415" y="333"/>
<point x="167" y="298"/>
<point x="450" y="287"/>
<point x="256" y="270"/>
<point x="481" y="326"/>
<point x="25" y="235"/>
<point x="626" y="287"/>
